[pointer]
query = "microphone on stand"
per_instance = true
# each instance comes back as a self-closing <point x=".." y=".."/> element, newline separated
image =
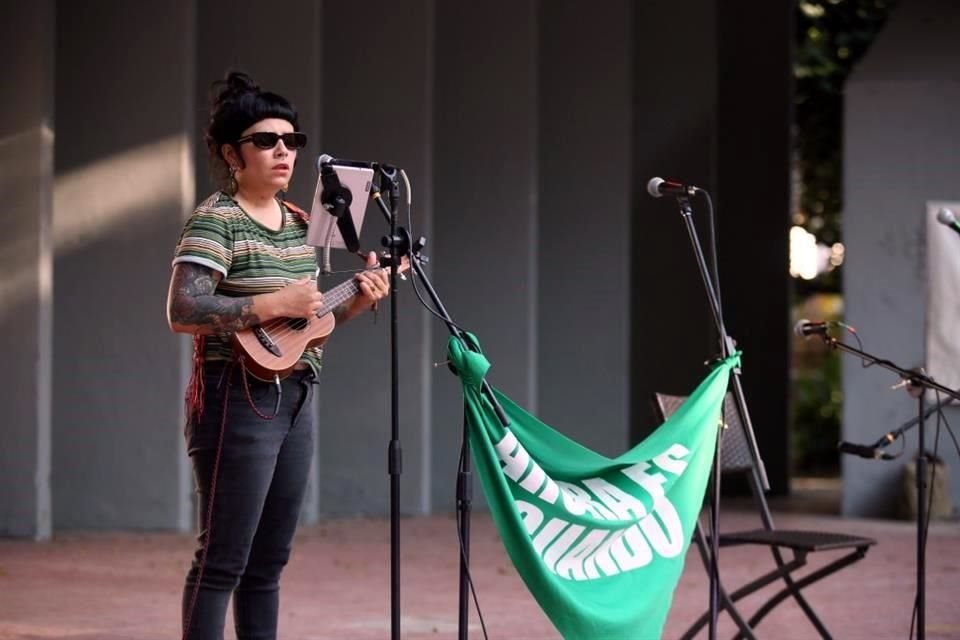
<point x="804" y="328"/>
<point x="948" y="219"/>
<point x="658" y="187"/>
<point x="864" y="451"/>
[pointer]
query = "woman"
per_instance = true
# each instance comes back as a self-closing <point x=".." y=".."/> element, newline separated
<point x="242" y="260"/>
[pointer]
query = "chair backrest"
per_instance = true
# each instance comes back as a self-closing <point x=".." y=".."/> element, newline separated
<point x="735" y="452"/>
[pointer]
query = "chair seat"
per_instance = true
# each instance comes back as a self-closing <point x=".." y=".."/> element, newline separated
<point x="800" y="540"/>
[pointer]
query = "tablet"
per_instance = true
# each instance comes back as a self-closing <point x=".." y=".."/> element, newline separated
<point x="323" y="226"/>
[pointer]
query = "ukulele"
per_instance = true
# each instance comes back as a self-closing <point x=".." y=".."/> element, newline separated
<point x="270" y="350"/>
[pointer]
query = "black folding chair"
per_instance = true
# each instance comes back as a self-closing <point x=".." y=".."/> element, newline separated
<point x="736" y="457"/>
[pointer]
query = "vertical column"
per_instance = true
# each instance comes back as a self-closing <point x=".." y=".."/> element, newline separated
<point x="901" y="150"/>
<point x="377" y="87"/>
<point x="753" y="216"/>
<point x="485" y="232"/>
<point x="279" y="45"/>
<point x="26" y="260"/>
<point x="124" y="181"/>
<point x="674" y="136"/>
<point x="584" y="287"/>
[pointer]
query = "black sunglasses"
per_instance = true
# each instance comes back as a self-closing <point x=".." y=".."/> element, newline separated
<point x="268" y="139"/>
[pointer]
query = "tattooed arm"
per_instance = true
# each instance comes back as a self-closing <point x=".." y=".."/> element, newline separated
<point x="194" y="307"/>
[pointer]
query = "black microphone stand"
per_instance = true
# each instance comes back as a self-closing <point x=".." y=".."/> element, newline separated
<point x="920" y="381"/>
<point x="389" y="175"/>
<point x="400" y="244"/>
<point x="726" y="346"/>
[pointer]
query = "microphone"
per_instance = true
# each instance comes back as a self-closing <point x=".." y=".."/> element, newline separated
<point x="862" y="450"/>
<point x="804" y="328"/>
<point x="658" y="187"/>
<point x="324" y="159"/>
<point x="946" y="218"/>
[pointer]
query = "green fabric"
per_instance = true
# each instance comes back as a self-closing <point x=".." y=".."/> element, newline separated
<point x="599" y="542"/>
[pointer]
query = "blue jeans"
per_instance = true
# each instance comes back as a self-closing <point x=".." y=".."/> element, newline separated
<point x="260" y="484"/>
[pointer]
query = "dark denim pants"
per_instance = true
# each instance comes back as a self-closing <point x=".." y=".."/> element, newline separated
<point x="260" y="484"/>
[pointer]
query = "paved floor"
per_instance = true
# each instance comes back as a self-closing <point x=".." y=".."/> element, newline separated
<point x="113" y="586"/>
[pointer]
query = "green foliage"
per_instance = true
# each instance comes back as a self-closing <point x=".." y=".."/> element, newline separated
<point x="831" y="37"/>
<point x="818" y="403"/>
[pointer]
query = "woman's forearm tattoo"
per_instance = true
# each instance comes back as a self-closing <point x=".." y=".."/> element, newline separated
<point x="194" y="303"/>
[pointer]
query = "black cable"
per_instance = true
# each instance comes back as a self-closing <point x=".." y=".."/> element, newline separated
<point x="926" y="525"/>
<point x="864" y="363"/>
<point x="428" y="307"/>
<point x="953" y="437"/>
<point x="463" y="553"/>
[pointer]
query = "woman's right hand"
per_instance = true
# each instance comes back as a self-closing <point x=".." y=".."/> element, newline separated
<point x="298" y="299"/>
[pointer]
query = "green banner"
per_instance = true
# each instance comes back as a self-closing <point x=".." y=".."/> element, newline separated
<point x="599" y="542"/>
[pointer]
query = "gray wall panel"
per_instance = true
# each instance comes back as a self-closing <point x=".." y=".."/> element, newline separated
<point x="377" y="87"/>
<point x="26" y="260"/>
<point x="485" y="253"/>
<point x="675" y="101"/>
<point x="584" y="287"/>
<point x="124" y="177"/>
<point x="753" y="211"/>
<point x="902" y="147"/>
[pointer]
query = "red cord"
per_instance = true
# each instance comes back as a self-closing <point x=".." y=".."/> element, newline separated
<point x="246" y="389"/>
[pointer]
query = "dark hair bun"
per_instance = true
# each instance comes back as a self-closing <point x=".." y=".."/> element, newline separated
<point x="231" y="88"/>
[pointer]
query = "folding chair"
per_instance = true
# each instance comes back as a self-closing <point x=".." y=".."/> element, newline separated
<point x="737" y="458"/>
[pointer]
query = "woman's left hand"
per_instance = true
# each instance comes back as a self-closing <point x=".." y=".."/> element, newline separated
<point x="374" y="283"/>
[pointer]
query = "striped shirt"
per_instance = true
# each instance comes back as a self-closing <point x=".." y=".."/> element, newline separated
<point x="252" y="258"/>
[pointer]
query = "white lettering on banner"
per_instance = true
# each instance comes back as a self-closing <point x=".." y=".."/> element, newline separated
<point x="577" y="552"/>
<point x="651" y="482"/>
<point x="578" y="501"/>
<point x="663" y="529"/>
<point x="573" y="564"/>
<point x="513" y="455"/>
<point x="670" y="460"/>
<point x="532" y="517"/>
<point x="546" y="535"/>
<point x="621" y="503"/>
<point x="516" y="460"/>
<point x="602" y="558"/>
<point x="632" y="550"/>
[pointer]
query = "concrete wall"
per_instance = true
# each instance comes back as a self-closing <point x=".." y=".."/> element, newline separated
<point x="26" y="260"/>
<point x="378" y="105"/>
<point x="584" y="287"/>
<point x="902" y="148"/>
<point x="124" y="179"/>
<point x="697" y="117"/>
<point x="528" y="160"/>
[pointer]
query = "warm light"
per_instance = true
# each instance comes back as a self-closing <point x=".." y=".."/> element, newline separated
<point x="121" y="189"/>
<point x="803" y="254"/>
<point x="836" y="254"/>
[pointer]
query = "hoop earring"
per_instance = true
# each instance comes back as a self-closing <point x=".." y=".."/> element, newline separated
<point x="232" y="185"/>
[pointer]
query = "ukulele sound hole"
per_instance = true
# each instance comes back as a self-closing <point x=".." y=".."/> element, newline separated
<point x="297" y="324"/>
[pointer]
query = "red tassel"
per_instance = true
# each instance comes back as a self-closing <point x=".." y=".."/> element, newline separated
<point x="194" y="394"/>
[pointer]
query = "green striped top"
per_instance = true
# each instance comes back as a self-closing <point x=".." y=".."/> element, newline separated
<point x="252" y="258"/>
